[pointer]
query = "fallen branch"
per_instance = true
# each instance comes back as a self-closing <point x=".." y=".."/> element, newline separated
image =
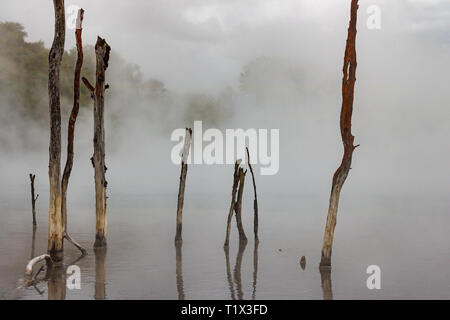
<point x="36" y="260"/>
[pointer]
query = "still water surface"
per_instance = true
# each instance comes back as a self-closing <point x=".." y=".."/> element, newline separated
<point x="408" y="238"/>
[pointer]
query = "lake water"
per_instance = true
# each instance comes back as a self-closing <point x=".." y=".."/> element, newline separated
<point x="407" y="238"/>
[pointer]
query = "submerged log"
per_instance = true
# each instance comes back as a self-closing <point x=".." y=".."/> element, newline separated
<point x="55" y="230"/>
<point x="348" y="85"/>
<point x="233" y="201"/>
<point x="33" y="199"/>
<point x="71" y="129"/>
<point x="184" y="167"/>
<point x="238" y="206"/>
<point x="255" y="201"/>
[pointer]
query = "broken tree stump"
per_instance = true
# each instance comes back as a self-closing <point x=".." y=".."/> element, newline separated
<point x="184" y="167"/>
<point x="238" y="206"/>
<point x="348" y="85"/>
<point x="33" y="199"/>
<point x="233" y="201"/>
<point x="55" y="229"/>
<point x="71" y="130"/>
<point x="255" y="201"/>
<point x="102" y="52"/>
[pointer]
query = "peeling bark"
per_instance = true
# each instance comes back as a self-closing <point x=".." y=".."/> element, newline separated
<point x="255" y="201"/>
<point x="184" y="167"/>
<point x="71" y="129"/>
<point x="233" y="201"/>
<point x="348" y="85"/>
<point x="55" y="228"/>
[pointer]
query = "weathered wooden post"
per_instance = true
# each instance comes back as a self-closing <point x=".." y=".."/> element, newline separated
<point x="348" y="85"/>
<point x="55" y="228"/>
<point x="255" y="201"/>
<point x="238" y="206"/>
<point x="33" y="199"/>
<point x="233" y="202"/>
<point x="102" y="52"/>
<point x="184" y="167"/>
<point x="71" y="130"/>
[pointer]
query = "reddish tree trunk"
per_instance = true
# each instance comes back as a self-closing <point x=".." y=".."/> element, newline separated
<point x="348" y="85"/>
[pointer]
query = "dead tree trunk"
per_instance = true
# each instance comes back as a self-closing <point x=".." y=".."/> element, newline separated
<point x="55" y="229"/>
<point x="327" y="288"/>
<point x="184" y="167"/>
<point x="102" y="51"/>
<point x="233" y="202"/>
<point x="179" y="271"/>
<point x="71" y="129"/>
<point x="348" y="85"/>
<point x="238" y="206"/>
<point x="255" y="201"/>
<point x="33" y="199"/>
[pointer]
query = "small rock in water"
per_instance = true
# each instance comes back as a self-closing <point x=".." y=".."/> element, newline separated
<point x="303" y="262"/>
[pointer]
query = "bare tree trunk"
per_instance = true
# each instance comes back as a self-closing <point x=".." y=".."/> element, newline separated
<point x="179" y="271"/>
<point x="55" y="229"/>
<point x="233" y="202"/>
<point x="102" y="51"/>
<point x="348" y="85"/>
<point x="184" y="167"/>
<point x="238" y="206"/>
<point x="33" y="199"/>
<point x="71" y="129"/>
<point x="255" y="268"/>
<point x="255" y="201"/>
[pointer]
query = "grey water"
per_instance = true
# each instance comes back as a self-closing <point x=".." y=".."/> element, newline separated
<point x="406" y="237"/>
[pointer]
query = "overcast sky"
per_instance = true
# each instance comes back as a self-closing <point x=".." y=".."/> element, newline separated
<point x="201" y="45"/>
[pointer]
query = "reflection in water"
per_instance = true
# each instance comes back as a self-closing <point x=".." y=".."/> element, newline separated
<point x="255" y="268"/>
<point x="179" y="270"/>
<point x="237" y="270"/>
<point x="229" y="276"/>
<point x="100" y="273"/>
<point x="56" y="282"/>
<point x="325" y="276"/>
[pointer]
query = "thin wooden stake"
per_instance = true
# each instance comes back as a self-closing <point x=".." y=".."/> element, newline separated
<point x="238" y="206"/>
<point x="255" y="201"/>
<point x="348" y="85"/>
<point x="33" y="199"/>
<point x="71" y="130"/>
<point x="184" y="167"/>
